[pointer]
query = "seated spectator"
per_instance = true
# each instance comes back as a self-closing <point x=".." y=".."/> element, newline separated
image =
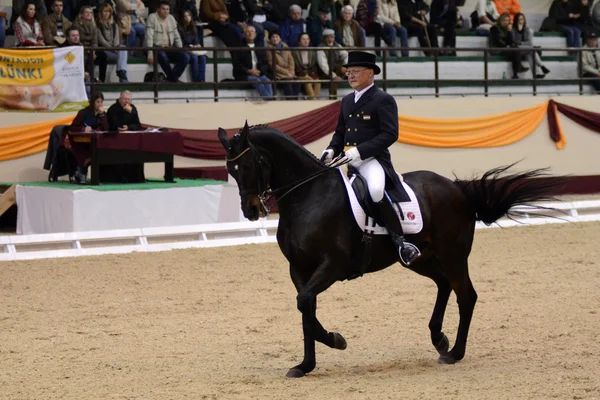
<point x="189" y="5"/>
<point x="284" y="66"/>
<point x="252" y="65"/>
<point x="595" y="15"/>
<point x="305" y="62"/>
<point x="512" y="7"/>
<point x="366" y="15"/>
<point x="55" y="25"/>
<point x="413" y="12"/>
<point x="89" y="119"/>
<point x="189" y="37"/>
<point x="590" y="60"/>
<point x="338" y="59"/>
<point x="27" y="29"/>
<point x="108" y="36"/>
<point x="390" y="18"/>
<point x="123" y="116"/>
<point x="562" y="11"/>
<point x="485" y="15"/>
<point x="523" y="38"/>
<point x="349" y="29"/>
<point x="214" y="12"/>
<point x="293" y="26"/>
<point x="240" y="18"/>
<point x="85" y="24"/>
<point x="317" y="5"/>
<point x="501" y="37"/>
<point x="19" y="5"/>
<point x="583" y="17"/>
<point x="4" y="8"/>
<point x="130" y="21"/>
<point x="323" y="22"/>
<point x="161" y="31"/>
<point x="444" y="15"/>
<point x="263" y="16"/>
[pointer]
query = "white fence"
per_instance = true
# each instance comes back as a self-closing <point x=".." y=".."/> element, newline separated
<point x="224" y="234"/>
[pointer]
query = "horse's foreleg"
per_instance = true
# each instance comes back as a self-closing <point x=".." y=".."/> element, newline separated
<point x="311" y="327"/>
<point x="466" y="298"/>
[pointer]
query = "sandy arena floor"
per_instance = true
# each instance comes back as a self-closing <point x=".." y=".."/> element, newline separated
<point x="222" y="324"/>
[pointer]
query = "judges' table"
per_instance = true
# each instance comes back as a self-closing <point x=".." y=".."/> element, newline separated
<point x="130" y="148"/>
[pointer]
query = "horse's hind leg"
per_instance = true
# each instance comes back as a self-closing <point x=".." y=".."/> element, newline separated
<point x="466" y="298"/>
<point x="434" y="271"/>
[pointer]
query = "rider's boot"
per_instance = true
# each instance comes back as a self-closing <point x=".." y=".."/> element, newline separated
<point x="408" y="252"/>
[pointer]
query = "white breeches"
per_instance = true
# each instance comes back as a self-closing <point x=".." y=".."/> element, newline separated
<point x="373" y="172"/>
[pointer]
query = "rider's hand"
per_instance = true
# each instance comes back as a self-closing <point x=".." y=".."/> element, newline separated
<point x="353" y="154"/>
<point x="327" y="156"/>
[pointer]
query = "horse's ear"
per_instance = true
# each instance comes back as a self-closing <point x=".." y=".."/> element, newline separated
<point x="244" y="132"/>
<point x="222" y="135"/>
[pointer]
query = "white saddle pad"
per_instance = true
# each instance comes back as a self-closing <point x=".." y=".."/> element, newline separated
<point x="413" y="220"/>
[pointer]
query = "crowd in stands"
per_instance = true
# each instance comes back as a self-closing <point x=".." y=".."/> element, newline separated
<point x="269" y="28"/>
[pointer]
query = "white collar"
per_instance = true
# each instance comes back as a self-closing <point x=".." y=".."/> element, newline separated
<point x="358" y="95"/>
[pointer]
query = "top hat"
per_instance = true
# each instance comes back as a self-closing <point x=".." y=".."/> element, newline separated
<point x="363" y="59"/>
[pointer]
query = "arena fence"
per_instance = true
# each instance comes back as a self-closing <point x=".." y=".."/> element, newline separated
<point x="436" y="54"/>
<point x="228" y="234"/>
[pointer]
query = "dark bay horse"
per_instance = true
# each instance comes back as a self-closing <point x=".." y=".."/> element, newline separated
<point x="318" y="234"/>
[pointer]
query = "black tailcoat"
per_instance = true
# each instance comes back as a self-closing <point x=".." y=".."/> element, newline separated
<point x="372" y="126"/>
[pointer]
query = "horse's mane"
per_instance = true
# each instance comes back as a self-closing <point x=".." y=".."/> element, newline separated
<point x="261" y="135"/>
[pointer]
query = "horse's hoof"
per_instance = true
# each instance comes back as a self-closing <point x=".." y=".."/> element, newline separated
<point x="446" y="359"/>
<point x="443" y="346"/>
<point x="339" y="341"/>
<point x="295" y="373"/>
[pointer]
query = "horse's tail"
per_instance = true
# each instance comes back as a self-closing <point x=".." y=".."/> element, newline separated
<point x="494" y="194"/>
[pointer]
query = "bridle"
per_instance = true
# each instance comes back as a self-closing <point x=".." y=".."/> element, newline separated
<point x="264" y="192"/>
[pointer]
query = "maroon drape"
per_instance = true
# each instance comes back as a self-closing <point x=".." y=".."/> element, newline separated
<point x="304" y="128"/>
<point x="552" y="124"/>
<point x="589" y="119"/>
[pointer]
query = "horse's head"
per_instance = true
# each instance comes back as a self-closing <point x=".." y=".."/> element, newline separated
<point x="250" y="170"/>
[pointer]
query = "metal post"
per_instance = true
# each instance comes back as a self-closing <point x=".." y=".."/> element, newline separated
<point x="436" y="67"/>
<point x="486" y="83"/>
<point x="580" y="70"/>
<point x="274" y="69"/>
<point x="384" y="71"/>
<point x="155" y="72"/>
<point x="216" y="75"/>
<point x="330" y="62"/>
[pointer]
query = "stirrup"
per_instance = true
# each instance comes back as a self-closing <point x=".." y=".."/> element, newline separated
<point x="414" y="250"/>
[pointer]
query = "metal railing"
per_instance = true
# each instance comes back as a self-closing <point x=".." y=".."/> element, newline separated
<point x="384" y="82"/>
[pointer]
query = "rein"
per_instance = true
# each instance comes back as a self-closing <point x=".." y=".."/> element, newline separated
<point x="266" y="195"/>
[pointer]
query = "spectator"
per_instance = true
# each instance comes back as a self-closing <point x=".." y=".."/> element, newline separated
<point x="108" y="36"/>
<point x="214" y="12"/>
<point x="413" y="12"/>
<point x="27" y="29"/>
<point x="55" y="25"/>
<point x="318" y="25"/>
<point x="189" y="37"/>
<point x="4" y="17"/>
<point x="338" y="58"/>
<point x="305" y="62"/>
<point x="512" y="7"/>
<point x="583" y="16"/>
<point x="161" y="31"/>
<point x="596" y="14"/>
<point x="444" y="15"/>
<point x="590" y="60"/>
<point x="89" y="119"/>
<point x="85" y="24"/>
<point x="523" y="38"/>
<point x="284" y="66"/>
<point x="317" y="5"/>
<point x="263" y="16"/>
<point x="293" y="26"/>
<point x="562" y="11"/>
<point x="131" y="23"/>
<point x="390" y="19"/>
<point x="485" y="15"/>
<point x="366" y="12"/>
<point x="123" y="116"/>
<point x="18" y="5"/>
<point x="252" y="65"/>
<point x="239" y="17"/>
<point x="501" y="37"/>
<point x="349" y="29"/>
<point x="189" y="5"/>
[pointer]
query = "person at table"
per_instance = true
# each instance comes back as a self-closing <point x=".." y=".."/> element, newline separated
<point x="92" y="118"/>
<point x="123" y="116"/>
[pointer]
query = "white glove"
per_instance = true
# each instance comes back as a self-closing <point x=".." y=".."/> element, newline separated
<point x="327" y="156"/>
<point x="353" y="154"/>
